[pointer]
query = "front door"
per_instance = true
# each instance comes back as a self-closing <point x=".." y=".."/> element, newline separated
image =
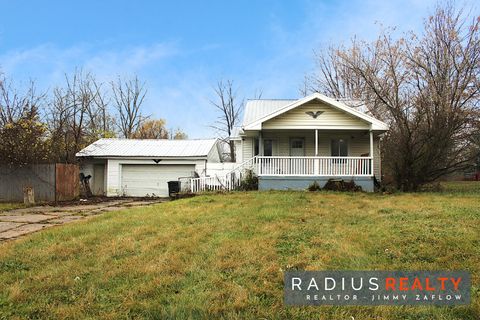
<point x="297" y="147"/>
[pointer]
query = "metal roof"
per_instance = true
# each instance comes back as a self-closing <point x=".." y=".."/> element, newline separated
<point x="257" y="109"/>
<point x="157" y="148"/>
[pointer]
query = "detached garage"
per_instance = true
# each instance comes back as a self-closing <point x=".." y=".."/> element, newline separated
<point x="139" y="180"/>
<point x="142" y="168"/>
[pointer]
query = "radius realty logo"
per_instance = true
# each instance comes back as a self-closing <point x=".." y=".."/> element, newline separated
<point x="377" y="287"/>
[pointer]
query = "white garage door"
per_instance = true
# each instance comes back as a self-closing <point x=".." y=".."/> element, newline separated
<point x="151" y="180"/>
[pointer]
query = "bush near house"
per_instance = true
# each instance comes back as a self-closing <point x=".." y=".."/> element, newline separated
<point x="249" y="182"/>
<point x="335" y="185"/>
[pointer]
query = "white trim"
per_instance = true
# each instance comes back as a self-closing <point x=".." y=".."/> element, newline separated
<point x="375" y="123"/>
<point x="314" y="166"/>
<point x="193" y="158"/>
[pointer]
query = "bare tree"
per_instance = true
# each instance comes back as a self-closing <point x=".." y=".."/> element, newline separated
<point x="14" y="104"/>
<point x="128" y="97"/>
<point x="229" y="109"/>
<point x="78" y="115"/>
<point x="426" y="87"/>
<point x="336" y="79"/>
<point x="102" y="122"/>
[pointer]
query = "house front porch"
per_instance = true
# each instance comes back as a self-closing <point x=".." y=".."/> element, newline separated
<point x="290" y="144"/>
<point x="297" y="173"/>
<point x="291" y="172"/>
<point x="312" y="152"/>
<point x="294" y="159"/>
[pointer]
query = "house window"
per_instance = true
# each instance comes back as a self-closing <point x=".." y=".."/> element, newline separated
<point x="339" y="148"/>
<point x="267" y="147"/>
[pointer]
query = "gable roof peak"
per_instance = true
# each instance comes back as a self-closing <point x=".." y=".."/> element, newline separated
<point x="375" y="123"/>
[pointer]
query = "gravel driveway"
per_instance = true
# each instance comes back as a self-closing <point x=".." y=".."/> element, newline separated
<point x="18" y="222"/>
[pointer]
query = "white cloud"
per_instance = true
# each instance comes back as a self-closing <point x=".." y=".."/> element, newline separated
<point x="178" y="95"/>
<point x="47" y="63"/>
<point x="180" y="81"/>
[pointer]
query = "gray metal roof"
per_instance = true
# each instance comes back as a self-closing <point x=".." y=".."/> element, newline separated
<point x="157" y="148"/>
<point x="256" y="109"/>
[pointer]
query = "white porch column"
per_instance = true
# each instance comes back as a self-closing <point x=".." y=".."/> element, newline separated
<point x="260" y="153"/>
<point x="371" y="152"/>
<point x="316" y="162"/>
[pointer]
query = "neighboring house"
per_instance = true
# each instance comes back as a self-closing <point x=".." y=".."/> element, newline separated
<point x="129" y="167"/>
<point x="292" y="143"/>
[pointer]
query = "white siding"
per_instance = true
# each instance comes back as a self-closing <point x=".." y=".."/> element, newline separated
<point x="220" y="169"/>
<point x="114" y="171"/>
<point x="331" y="117"/>
<point x="238" y="151"/>
<point x="248" y="148"/>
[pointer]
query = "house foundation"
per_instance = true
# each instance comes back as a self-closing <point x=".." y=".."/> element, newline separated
<point x="302" y="183"/>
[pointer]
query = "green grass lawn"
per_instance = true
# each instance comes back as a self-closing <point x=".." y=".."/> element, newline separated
<point x="4" y="206"/>
<point x="224" y="255"/>
<point x="461" y="187"/>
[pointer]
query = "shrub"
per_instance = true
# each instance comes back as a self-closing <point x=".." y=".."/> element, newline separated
<point x="314" y="186"/>
<point x="249" y="182"/>
<point x="341" y="185"/>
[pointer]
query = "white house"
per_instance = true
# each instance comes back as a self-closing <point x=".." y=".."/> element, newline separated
<point x="288" y="144"/>
<point x="130" y="167"/>
<point x="292" y="143"/>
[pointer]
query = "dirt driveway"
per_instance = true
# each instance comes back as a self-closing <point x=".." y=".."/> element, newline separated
<point x="18" y="222"/>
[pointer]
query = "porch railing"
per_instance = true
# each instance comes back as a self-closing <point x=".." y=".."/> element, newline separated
<point x="212" y="183"/>
<point x="285" y="166"/>
<point x="313" y="166"/>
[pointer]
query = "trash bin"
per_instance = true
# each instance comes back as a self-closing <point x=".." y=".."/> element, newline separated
<point x="173" y="188"/>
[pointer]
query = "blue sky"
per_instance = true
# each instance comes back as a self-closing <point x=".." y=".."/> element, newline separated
<point x="181" y="48"/>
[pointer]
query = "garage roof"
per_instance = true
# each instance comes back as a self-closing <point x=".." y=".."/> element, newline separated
<point x="158" y="148"/>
